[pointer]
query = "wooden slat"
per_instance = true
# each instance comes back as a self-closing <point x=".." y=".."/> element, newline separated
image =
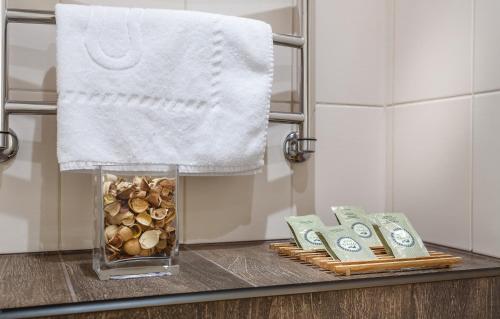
<point x="384" y="261"/>
<point x="307" y="256"/>
<point x="275" y="246"/>
<point x="395" y="265"/>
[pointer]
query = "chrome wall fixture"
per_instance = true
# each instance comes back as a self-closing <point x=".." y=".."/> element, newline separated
<point x="298" y="146"/>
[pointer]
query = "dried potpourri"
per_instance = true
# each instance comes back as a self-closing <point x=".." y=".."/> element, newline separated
<point x="139" y="216"/>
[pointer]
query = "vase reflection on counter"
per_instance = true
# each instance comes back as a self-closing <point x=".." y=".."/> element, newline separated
<point x="136" y="223"/>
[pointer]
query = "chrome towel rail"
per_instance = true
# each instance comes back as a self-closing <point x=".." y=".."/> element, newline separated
<point x="298" y="146"/>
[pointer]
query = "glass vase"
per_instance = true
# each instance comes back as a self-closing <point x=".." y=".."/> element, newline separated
<point x="136" y="222"/>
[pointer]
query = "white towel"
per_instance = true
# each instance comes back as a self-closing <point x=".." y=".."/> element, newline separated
<point x="160" y="87"/>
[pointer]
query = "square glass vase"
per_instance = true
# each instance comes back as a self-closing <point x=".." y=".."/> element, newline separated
<point x="136" y="222"/>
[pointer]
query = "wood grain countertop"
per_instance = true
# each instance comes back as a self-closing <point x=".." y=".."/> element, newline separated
<point x="64" y="282"/>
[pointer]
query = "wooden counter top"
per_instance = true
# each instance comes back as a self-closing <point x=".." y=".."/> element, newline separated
<point x="207" y="272"/>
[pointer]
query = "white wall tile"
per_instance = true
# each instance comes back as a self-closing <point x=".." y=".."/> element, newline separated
<point x="487" y="46"/>
<point x="351" y="48"/>
<point x="31" y="4"/>
<point x="236" y="208"/>
<point x="32" y="60"/>
<point x="486" y="185"/>
<point x="77" y="215"/>
<point x="303" y="184"/>
<point x="432" y="169"/>
<point x="350" y="158"/>
<point x="433" y="49"/>
<point x="29" y="188"/>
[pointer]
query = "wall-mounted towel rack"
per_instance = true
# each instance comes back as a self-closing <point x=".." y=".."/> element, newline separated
<point x="298" y="146"/>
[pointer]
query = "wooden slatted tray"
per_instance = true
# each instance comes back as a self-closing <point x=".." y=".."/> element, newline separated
<point x="383" y="263"/>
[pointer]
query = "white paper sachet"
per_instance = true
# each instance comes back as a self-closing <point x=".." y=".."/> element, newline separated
<point x="398" y="236"/>
<point x="356" y="219"/>
<point x="342" y="243"/>
<point x="303" y="230"/>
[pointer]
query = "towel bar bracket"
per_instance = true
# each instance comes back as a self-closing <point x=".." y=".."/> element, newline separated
<point x="9" y="151"/>
<point x="297" y="148"/>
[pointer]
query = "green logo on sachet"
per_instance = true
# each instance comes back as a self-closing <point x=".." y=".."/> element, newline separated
<point x="348" y="244"/>
<point x="362" y="230"/>
<point x="402" y="237"/>
<point x="311" y="237"/>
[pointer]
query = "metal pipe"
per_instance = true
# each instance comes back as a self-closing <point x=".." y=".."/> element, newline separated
<point x="48" y="17"/>
<point x="23" y="107"/>
<point x="286" y="117"/>
<point x="4" y="125"/>
<point x="44" y="108"/>
<point x="30" y="16"/>
<point x="305" y="131"/>
<point x="288" y="40"/>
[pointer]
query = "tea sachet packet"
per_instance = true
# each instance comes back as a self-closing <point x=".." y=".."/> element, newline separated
<point x="343" y="244"/>
<point x="303" y="230"/>
<point x="356" y="219"/>
<point x="398" y="236"/>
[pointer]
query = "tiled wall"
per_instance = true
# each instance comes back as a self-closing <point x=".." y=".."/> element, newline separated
<point x="406" y="119"/>
<point x="351" y="149"/>
<point x="430" y="117"/>
<point x="41" y="209"/>
<point x="421" y="81"/>
<point x="445" y="120"/>
<point x="351" y="63"/>
<point x="486" y="128"/>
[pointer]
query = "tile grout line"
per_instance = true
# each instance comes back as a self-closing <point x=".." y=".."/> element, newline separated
<point x="218" y="265"/>
<point x="183" y="209"/>
<point x="392" y="85"/>
<point x="69" y="285"/>
<point x="450" y="97"/>
<point x="492" y="91"/>
<point x="293" y="57"/>
<point x="59" y="211"/>
<point x="350" y="104"/>
<point x="436" y="99"/>
<point x="470" y="189"/>
<point x="471" y="123"/>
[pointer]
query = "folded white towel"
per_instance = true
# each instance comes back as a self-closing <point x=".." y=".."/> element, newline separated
<point x="161" y="87"/>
